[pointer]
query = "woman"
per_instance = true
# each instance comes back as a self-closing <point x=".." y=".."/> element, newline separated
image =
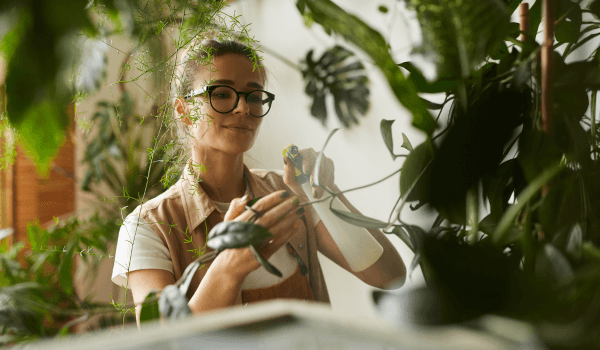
<point x="169" y="231"/>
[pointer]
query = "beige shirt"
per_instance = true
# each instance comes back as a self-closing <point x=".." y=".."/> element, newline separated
<point x="183" y="215"/>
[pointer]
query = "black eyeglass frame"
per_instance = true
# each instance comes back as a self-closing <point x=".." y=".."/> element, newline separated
<point x="210" y="88"/>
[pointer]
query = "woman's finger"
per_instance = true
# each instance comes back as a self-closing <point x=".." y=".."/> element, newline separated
<point x="264" y="204"/>
<point x="278" y="213"/>
<point x="282" y="232"/>
<point x="289" y="178"/>
<point x="237" y="207"/>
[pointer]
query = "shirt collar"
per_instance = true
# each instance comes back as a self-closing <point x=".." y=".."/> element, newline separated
<point x="196" y="203"/>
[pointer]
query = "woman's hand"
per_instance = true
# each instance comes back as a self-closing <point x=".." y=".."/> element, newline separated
<point x="326" y="173"/>
<point x="281" y="216"/>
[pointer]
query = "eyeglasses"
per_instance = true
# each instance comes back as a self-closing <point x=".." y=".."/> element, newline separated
<point x="224" y="99"/>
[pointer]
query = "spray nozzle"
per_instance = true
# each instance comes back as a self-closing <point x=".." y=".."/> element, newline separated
<point x="292" y="152"/>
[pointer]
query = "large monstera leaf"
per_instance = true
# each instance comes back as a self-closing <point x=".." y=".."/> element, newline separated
<point x="335" y="72"/>
<point x="461" y="33"/>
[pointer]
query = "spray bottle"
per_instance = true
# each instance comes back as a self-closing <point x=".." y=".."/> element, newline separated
<point x="357" y="245"/>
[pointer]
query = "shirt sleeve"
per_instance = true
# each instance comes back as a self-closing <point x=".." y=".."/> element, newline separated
<point x="139" y="247"/>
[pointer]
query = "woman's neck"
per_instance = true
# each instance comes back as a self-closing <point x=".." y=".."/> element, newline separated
<point x="224" y="177"/>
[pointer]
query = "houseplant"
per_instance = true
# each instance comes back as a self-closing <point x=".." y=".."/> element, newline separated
<point x="534" y="256"/>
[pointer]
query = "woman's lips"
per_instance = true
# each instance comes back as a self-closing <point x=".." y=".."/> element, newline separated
<point x="237" y="128"/>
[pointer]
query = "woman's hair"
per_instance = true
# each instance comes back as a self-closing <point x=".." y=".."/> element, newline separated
<point x="197" y="56"/>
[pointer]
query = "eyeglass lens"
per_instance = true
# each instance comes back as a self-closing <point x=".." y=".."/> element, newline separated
<point x="223" y="100"/>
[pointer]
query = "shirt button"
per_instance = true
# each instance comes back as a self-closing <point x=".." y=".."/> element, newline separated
<point x="301" y="246"/>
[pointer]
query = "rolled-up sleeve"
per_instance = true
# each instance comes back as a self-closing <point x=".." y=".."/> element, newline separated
<point x="139" y="247"/>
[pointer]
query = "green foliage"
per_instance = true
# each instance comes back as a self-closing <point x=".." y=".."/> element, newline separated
<point x="333" y="74"/>
<point x="36" y="284"/>
<point x="353" y="29"/>
<point x="129" y="153"/>
<point x="460" y="33"/>
<point x="537" y="242"/>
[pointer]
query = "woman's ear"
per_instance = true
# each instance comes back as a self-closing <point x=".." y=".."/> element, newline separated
<point x="183" y="109"/>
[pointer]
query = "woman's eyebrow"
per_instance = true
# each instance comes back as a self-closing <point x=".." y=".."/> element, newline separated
<point x="255" y="85"/>
<point x="224" y="81"/>
<point x="230" y="82"/>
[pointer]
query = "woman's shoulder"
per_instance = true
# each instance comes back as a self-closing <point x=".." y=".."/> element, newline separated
<point x="172" y="194"/>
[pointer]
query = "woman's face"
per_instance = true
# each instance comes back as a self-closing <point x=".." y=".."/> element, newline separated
<point x="233" y="132"/>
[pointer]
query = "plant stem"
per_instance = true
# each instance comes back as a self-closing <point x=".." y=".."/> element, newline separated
<point x="473" y="213"/>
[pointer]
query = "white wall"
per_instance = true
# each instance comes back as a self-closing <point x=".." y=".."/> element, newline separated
<point x="359" y="154"/>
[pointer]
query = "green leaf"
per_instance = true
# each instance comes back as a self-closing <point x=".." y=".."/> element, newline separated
<point x="386" y="132"/>
<point x="267" y="265"/>
<point x="412" y="168"/>
<point x="150" y="310"/>
<point x="569" y="28"/>
<point x="582" y="74"/>
<point x="358" y="219"/>
<point x="595" y="8"/>
<point x="551" y="265"/>
<point x="65" y="269"/>
<point x="422" y="84"/>
<point x="461" y="33"/>
<point x="406" y="143"/>
<point x="431" y="105"/>
<point x="574" y="242"/>
<point x="403" y="235"/>
<point x="383" y="9"/>
<point x="353" y="29"/>
<point x="236" y="234"/>
<point x="507" y="220"/>
<point x="535" y="18"/>
<point x="42" y="145"/>
<point x="338" y="73"/>
<point x="590" y="252"/>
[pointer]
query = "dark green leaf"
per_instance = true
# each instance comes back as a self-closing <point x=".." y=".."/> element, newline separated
<point x="535" y="18"/>
<point x="336" y="73"/>
<point x="358" y="219"/>
<point x="537" y="151"/>
<point x="507" y="220"/>
<point x="574" y="241"/>
<point x="461" y="33"/>
<point x="569" y="28"/>
<point x="431" y="105"/>
<point x="414" y="263"/>
<point x="590" y="252"/>
<point x="561" y="208"/>
<point x="422" y="84"/>
<point x="65" y="269"/>
<point x="595" y="8"/>
<point x="412" y="168"/>
<point x="551" y="265"/>
<point x="236" y="234"/>
<point x="386" y="132"/>
<point x="267" y="265"/>
<point x="150" y="310"/>
<point x="406" y="143"/>
<point x="383" y="9"/>
<point x="333" y="18"/>
<point x="401" y="233"/>
<point x="583" y="74"/>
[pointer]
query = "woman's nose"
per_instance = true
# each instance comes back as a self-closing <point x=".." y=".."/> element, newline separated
<point x="242" y="106"/>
